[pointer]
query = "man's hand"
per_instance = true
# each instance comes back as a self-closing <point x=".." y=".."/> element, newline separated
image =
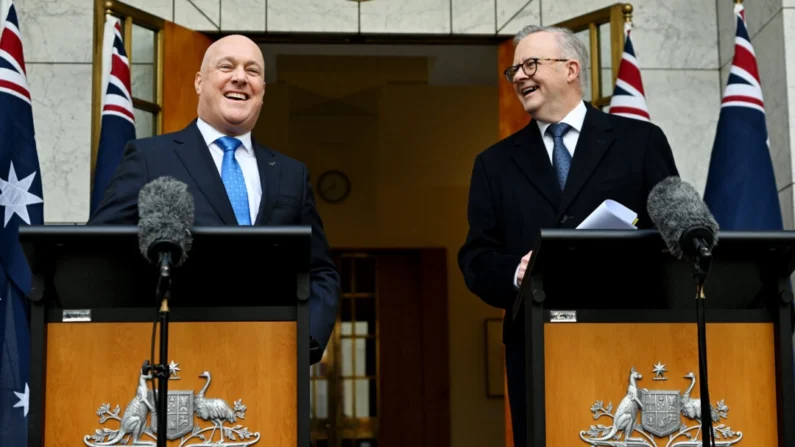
<point x="523" y="267"/>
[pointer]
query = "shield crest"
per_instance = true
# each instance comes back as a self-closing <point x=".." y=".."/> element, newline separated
<point x="179" y="418"/>
<point x="661" y="412"/>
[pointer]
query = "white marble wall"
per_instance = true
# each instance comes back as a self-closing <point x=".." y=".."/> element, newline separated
<point x="787" y="118"/>
<point x="57" y="44"/>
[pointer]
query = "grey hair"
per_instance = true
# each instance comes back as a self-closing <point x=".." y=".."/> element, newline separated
<point x="571" y="45"/>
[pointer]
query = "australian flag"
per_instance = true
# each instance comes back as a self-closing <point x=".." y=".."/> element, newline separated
<point x="118" y="119"/>
<point x="20" y="204"/>
<point x="741" y="186"/>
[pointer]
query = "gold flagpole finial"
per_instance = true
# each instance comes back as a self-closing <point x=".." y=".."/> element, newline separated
<point x="739" y="2"/>
<point x="627" y="12"/>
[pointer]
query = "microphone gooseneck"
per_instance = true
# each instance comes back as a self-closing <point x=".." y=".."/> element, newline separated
<point x="689" y="229"/>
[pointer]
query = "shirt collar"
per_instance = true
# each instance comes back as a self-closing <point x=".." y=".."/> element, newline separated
<point x="575" y="118"/>
<point x="210" y="134"/>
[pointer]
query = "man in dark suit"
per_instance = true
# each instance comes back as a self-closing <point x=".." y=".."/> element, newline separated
<point x="233" y="180"/>
<point x="553" y="173"/>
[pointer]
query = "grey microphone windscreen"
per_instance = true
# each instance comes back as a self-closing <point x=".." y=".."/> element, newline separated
<point x="165" y="215"/>
<point x="676" y="209"/>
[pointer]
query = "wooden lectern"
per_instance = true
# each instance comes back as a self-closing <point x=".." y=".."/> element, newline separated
<point x="611" y="341"/>
<point x="238" y="338"/>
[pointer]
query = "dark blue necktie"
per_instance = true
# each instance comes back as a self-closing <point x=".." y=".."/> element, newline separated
<point x="561" y="158"/>
<point x="232" y="176"/>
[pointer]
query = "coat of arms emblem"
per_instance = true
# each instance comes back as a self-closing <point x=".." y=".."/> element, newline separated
<point x="139" y="420"/>
<point x="661" y="415"/>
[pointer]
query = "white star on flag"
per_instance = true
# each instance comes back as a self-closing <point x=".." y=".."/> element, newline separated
<point x="14" y="196"/>
<point x="24" y="400"/>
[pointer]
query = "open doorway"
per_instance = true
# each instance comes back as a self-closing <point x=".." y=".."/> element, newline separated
<point x="389" y="134"/>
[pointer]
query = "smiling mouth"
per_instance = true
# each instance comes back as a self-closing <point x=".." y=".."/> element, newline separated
<point x="236" y="96"/>
<point x="528" y="90"/>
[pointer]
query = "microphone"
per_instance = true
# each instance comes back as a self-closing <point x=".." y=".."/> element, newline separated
<point x="165" y="216"/>
<point x="688" y="228"/>
<point x="682" y="218"/>
<point x="165" y="210"/>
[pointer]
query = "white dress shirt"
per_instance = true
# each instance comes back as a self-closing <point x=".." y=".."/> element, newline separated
<point x="244" y="156"/>
<point x="575" y="119"/>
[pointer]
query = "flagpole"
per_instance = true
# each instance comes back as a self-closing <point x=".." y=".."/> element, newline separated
<point x="627" y="18"/>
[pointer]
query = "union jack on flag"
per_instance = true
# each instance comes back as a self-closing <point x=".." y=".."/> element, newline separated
<point x="628" y="98"/>
<point x="118" y="119"/>
<point x="21" y="203"/>
<point x="741" y="185"/>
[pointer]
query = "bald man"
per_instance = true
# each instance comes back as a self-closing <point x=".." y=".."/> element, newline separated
<point x="233" y="180"/>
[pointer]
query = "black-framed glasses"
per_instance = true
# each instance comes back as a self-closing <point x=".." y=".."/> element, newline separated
<point x="529" y="67"/>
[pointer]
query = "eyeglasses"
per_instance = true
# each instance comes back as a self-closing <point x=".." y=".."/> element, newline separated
<point x="529" y="67"/>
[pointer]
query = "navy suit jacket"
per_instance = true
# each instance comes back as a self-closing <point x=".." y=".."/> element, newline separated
<point x="287" y="200"/>
<point x="514" y="193"/>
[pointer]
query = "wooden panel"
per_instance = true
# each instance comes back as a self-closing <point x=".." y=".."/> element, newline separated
<point x="92" y="364"/>
<point x="435" y="348"/>
<point x="512" y="115"/>
<point x="400" y="351"/>
<point x="183" y="53"/>
<point x="413" y="349"/>
<point x="586" y="363"/>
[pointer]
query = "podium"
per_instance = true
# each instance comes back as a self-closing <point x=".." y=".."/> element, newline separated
<point x="611" y="340"/>
<point x="238" y="338"/>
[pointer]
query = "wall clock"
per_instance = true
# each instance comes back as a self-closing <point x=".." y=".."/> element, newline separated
<point x="333" y="186"/>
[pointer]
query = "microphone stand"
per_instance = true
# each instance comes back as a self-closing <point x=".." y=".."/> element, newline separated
<point x="703" y="261"/>
<point x="160" y="370"/>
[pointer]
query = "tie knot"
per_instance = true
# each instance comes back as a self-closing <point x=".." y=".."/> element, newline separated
<point x="228" y="143"/>
<point x="558" y="129"/>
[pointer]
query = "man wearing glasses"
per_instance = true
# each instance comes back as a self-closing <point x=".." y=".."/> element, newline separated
<point x="551" y="174"/>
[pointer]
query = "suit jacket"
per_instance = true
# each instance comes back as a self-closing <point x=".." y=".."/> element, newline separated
<point x="287" y="200"/>
<point x="514" y="193"/>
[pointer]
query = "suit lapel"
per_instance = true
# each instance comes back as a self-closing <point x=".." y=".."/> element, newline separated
<point x="195" y="156"/>
<point x="595" y="138"/>
<point x="270" y="172"/>
<point x="531" y="156"/>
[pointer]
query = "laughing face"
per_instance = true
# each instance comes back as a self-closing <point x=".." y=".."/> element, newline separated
<point x="548" y="93"/>
<point x="231" y="85"/>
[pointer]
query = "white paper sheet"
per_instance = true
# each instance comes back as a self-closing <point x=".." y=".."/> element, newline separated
<point x="610" y="215"/>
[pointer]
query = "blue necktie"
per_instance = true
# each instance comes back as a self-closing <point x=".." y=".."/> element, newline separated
<point x="561" y="158"/>
<point x="232" y="176"/>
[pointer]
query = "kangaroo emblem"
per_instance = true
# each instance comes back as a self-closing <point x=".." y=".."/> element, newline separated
<point x="627" y="412"/>
<point x="134" y="420"/>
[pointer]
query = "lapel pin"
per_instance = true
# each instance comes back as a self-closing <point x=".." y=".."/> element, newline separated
<point x="271" y="163"/>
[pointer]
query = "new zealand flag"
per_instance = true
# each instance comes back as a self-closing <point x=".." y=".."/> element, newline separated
<point x="741" y="186"/>
<point x="629" y="98"/>
<point x="118" y="119"/>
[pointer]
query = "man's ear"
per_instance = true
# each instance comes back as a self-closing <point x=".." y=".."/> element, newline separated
<point x="197" y="82"/>
<point x="573" y="70"/>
